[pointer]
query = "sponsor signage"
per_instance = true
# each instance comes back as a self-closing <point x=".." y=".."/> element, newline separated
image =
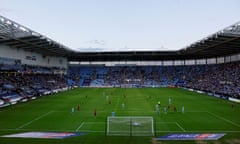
<point x="204" y="136"/>
<point x="234" y="100"/>
<point x="44" y="135"/>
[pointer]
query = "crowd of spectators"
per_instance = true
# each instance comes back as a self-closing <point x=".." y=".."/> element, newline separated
<point x="223" y="79"/>
<point x="220" y="79"/>
<point x="28" y="82"/>
<point x="19" y="83"/>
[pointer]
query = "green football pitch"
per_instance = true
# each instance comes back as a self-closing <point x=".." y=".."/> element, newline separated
<point x="203" y="114"/>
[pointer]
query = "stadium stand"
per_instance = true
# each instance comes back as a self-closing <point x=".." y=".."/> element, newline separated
<point x="223" y="79"/>
<point x="28" y="82"/>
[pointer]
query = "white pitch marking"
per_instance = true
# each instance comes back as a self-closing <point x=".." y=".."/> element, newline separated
<point x="30" y="122"/>
<point x="80" y="126"/>
<point x="222" y="118"/>
<point x="166" y="122"/>
<point x="94" y="122"/>
<point x="195" y="111"/>
<point x="180" y="127"/>
<point x="104" y="131"/>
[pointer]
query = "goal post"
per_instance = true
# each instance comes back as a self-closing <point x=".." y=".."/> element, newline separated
<point x="130" y="126"/>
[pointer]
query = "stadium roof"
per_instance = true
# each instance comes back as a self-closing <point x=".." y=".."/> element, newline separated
<point x="222" y="43"/>
<point x="16" y="35"/>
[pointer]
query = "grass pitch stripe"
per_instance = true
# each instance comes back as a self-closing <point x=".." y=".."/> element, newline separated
<point x="30" y="122"/>
<point x="118" y="100"/>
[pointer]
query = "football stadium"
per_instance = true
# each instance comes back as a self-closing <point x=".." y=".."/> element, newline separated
<point x="50" y="93"/>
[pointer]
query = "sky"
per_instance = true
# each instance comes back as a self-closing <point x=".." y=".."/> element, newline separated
<point x="123" y="25"/>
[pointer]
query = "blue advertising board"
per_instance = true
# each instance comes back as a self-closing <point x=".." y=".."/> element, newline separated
<point x="190" y="136"/>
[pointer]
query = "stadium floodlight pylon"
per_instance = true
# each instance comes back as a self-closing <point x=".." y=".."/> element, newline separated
<point x="130" y="126"/>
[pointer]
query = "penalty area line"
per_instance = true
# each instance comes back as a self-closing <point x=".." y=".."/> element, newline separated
<point x="180" y="127"/>
<point x="222" y="118"/>
<point x="30" y="122"/>
<point x="80" y="126"/>
<point x="94" y="131"/>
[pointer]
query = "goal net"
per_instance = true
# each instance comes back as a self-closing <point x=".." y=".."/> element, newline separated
<point x="130" y="126"/>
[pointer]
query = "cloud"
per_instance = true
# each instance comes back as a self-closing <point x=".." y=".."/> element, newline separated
<point x="97" y="42"/>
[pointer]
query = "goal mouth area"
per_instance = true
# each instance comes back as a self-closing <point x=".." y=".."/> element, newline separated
<point x="130" y="126"/>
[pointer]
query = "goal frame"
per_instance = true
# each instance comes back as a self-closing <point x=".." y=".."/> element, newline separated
<point x="129" y="120"/>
